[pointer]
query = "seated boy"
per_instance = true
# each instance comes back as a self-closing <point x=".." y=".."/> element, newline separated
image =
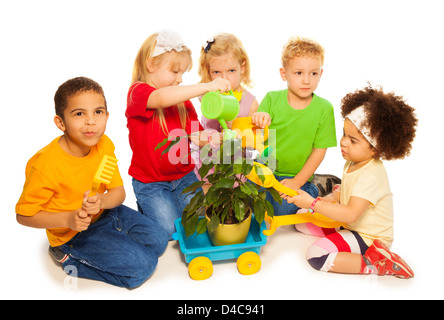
<point x="304" y="122"/>
<point x="96" y="236"/>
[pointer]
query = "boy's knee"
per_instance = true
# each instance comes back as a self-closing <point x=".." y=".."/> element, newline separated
<point x="162" y="242"/>
<point x="311" y="189"/>
<point x="142" y="269"/>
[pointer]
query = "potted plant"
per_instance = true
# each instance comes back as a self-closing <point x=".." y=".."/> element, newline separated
<point x="231" y="200"/>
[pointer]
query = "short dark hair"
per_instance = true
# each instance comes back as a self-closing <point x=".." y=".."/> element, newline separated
<point x="71" y="88"/>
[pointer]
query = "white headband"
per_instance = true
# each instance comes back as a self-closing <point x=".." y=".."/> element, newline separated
<point x="358" y="118"/>
<point x="168" y="40"/>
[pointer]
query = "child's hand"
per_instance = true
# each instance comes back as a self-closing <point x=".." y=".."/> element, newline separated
<point x="302" y="199"/>
<point x="92" y="205"/>
<point x="291" y="183"/>
<point x="219" y="84"/>
<point x="79" y="220"/>
<point x="261" y="119"/>
<point x="335" y="196"/>
<point x="215" y="138"/>
<point x="337" y="192"/>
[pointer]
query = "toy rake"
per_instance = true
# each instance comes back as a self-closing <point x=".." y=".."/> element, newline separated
<point x="104" y="173"/>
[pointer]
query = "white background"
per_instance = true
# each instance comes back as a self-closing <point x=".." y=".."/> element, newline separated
<point x="396" y="44"/>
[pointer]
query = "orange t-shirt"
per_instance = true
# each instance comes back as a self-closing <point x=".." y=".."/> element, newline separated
<point x="56" y="182"/>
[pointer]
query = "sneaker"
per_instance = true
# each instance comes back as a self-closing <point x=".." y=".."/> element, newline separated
<point x="387" y="262"/>
<point x="325" y="183"/>
<point x="58" y="254"/>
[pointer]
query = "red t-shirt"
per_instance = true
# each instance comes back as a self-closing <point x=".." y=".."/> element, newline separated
<point x="145" y="133"/>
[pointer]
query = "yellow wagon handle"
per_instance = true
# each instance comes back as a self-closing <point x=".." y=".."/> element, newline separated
<point x="316" y="218"/>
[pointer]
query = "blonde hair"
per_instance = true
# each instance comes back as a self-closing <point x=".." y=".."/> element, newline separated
<point x="142" y="75"/>
<point x="302" y="47"/>
<point x="224" y="43"/>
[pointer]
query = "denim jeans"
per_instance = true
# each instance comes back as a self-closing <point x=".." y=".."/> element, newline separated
<point x="121" y="248"/>
<point x="289" y="208"/>
<point x="163" y="201"/>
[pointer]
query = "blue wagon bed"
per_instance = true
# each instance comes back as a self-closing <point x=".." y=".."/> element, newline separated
<point x="199" y="252"/>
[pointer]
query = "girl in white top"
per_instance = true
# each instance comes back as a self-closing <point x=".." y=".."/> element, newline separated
<point x="376" y="126"/>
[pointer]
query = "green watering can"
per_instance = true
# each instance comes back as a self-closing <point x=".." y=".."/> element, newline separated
<point x="223" y="107"/>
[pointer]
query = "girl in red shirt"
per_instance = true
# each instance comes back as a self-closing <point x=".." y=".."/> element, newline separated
<point x="157" y="107"/>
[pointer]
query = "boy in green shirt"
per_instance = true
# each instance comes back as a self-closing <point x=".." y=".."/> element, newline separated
<point x="304" y="122"/>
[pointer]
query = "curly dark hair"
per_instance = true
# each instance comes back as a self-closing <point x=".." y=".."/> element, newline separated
<point x="72" y="87"/>
<point x="391" y="120"/>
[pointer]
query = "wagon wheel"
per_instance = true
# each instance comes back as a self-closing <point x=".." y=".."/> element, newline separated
<point x="248" y="263"/>
<point x="200" y="268"/>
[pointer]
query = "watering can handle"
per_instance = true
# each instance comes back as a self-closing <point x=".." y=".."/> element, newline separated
<point x="222" y="122"/>
<point x="230" y="92"/>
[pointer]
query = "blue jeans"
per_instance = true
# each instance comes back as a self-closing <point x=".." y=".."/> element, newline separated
<point x="289" y="208"/>
<point x="121" y="248"/>
<point x="163" y="201"/>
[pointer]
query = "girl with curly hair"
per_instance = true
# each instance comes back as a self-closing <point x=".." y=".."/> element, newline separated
<point x="377" y="126"/>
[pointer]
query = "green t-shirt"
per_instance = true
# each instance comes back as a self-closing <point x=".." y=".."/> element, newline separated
<point x="298" y="131"/>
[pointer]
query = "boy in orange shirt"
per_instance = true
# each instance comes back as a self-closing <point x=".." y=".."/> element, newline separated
<point x="103" y="239"/>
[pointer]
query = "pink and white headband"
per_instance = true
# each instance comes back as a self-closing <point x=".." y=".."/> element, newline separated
<point x="358" y="118"/>
<point x="168" y="40"/>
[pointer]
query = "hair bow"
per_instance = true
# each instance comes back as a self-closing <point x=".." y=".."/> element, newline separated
<point x="168" y="40"/>
<point x="207" y="45"/>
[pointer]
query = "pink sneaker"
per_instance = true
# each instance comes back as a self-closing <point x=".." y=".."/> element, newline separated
<point x="387" y="262"/>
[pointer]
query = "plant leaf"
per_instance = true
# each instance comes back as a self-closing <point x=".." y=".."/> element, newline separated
<point x="190" y="225"/>
<point x="237" y="168"/>
<point x="275" y="195"/>
<point x="175" y="141"/>
<point x="240" y="193"/>
<point x="252" y="187"/>
<point x="203" y="171"/>
<point x="245" y="189"/>
<point x="259" y="172"/>
<point x="162" y="143"/>
<point x="259" y="209"/>
<point x="212" y="195"/>
<point x="225" y="183"/>
<point x="239" y="209"/>
<point x="214" y="223"/>
<point x="202" y="226"/>
<point x="246" y="167"/>
<point x="225" y="212"/>
<point x="193" y="187"/>
<point x="269" y="208"/>
<point x="194" y="204"/>
<point x="224" y="197"/>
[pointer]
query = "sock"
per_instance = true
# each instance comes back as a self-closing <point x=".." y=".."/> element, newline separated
<point x="367" y="267"/>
